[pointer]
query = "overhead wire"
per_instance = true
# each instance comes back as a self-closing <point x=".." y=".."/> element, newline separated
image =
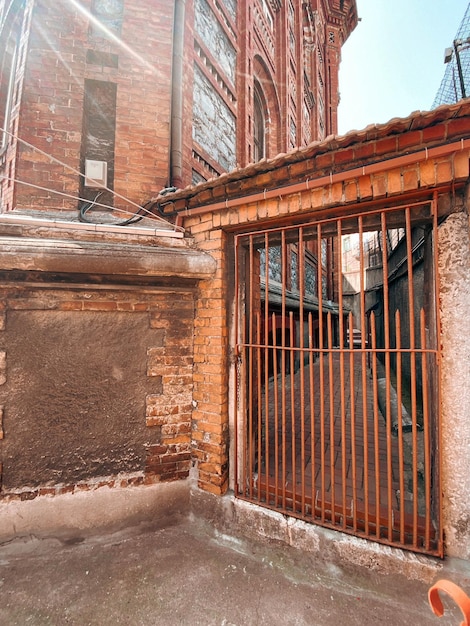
<point x="85" y="200"/>
<point x="135" y="216"/>
<point x="84" y="209"/>
<point x="141" y="210"/>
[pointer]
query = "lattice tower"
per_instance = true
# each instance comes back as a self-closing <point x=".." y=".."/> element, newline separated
<point x="450" y="90"/>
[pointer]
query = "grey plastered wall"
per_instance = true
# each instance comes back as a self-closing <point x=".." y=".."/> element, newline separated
<point x="75" y="396"/>
<point x="77" y="386"/>
<point x="454" y="275"/>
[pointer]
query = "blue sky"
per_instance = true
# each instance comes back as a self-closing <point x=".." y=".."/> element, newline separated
<point x="393" y="62"/>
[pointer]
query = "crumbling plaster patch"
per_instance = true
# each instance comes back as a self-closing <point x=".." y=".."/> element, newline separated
<point x="454" y="276"/>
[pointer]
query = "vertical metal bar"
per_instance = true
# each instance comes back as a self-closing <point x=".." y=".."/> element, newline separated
<point x="245" y="431"/>
<point x="375" y="394"/>
<point x="365" y="416"/>
<point x="437" y="444"/>
<point x="237" y="366"/>
<point x="342" y="381"/>
<point x="322" y="373"/>
<point x="427" y="442"/>
<point x="301" y="275"/>
<point x="293" y="410"/>
<point x="401" y="459"/>
<point x="331" y="377"/>
<point x="250" y="371"/>
<point x="258" y="437"/>
<point x="267" y="390"/>
<point x="352" y="391"/>
<point x="259" y="406"/>
<point x="276" y="413"/>
<point x="283" y="365"/>
<point x="311" y="365"/>
<point x="388" y="382"/>
<point x="409" y="254"/>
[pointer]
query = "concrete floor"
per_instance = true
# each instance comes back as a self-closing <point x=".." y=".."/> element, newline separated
<point x="188" y="574"/>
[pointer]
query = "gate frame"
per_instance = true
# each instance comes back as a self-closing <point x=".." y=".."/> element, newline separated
<point x="240" y="411"/>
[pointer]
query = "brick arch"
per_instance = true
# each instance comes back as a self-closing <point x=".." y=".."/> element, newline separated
<point x="263" y="77"/>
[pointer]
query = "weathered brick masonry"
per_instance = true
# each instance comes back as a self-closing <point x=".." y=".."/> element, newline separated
<point x="99" y="80"/>
<point x="163" y="93"/>
<point x="63" y="52"/>
<point x="96" y="357"/>
<point x="424" y="154"/>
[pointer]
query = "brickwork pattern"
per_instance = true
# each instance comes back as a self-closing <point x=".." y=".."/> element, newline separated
<point x="166" y="455"/>
<point x="51" y="108"/>
<point x="8" y="158"/>
<point x="373" y="165"/>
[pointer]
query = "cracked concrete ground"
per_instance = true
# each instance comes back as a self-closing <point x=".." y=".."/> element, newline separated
<point x="188" y="574"/>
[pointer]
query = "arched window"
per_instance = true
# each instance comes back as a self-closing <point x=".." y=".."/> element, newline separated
<point x="259" y="125"/>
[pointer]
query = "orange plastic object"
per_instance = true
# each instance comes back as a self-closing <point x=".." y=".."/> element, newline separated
<point x="457" y="595"/>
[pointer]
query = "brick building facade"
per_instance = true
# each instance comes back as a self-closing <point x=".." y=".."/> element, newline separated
<point x="119" y="354"/>
<point x="160" y="94"/>
<point x="151" y="95"/>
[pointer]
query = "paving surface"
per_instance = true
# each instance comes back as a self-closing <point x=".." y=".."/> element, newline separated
<point x="186" y="574"/>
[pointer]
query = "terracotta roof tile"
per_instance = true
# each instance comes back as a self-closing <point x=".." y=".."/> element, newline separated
<point x="418" y="120"/>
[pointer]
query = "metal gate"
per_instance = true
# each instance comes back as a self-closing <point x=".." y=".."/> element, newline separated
<point x="337" y="417"/>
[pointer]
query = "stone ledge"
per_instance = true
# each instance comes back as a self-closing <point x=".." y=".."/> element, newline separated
<point x="103" y="258"/>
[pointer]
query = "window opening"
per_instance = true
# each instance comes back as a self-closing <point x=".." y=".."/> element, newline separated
<point x="259" y="125"/>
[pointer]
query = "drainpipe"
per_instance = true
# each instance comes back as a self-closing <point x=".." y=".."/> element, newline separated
<point x="176" y="133"/>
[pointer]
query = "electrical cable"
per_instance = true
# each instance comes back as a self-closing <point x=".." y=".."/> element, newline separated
<point x="140" y="209"/>
<point x="68" y="195"/>
<point x="87" y="206"/>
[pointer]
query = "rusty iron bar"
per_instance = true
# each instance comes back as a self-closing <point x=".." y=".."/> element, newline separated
<point x="301" y="275"/>
<point x="292" y="407"/>
<point x="276" y="413"/>
<point x="284" y="457"/>
<point x="312" y="408"/>
<point x="426" y="434"/>
<point x="427" y="202"/>
<point x="259" y="425"/>
<point x="283" y="366"/>
<point x="365" y="426"/>
<point x="401" y="461"/>
<point x="342" y="376"/>
<point x="322" y="371"/>
<point x="245" y="376"/>
<point x="332" y="442"/>
<point x="437" y="444"/>
<point x="388" y="382"/>
<point x="376" y="410"/>
<point x="238" y="379"/>
<point x="353" y="427"/>
<point x="250" y="370"/>
<point x="266" y="364"/>
<point x="409" y="250"/>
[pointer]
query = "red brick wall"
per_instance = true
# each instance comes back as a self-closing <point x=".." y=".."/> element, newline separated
<point x="51" y="108"/>
<point x="373" y="166"/>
